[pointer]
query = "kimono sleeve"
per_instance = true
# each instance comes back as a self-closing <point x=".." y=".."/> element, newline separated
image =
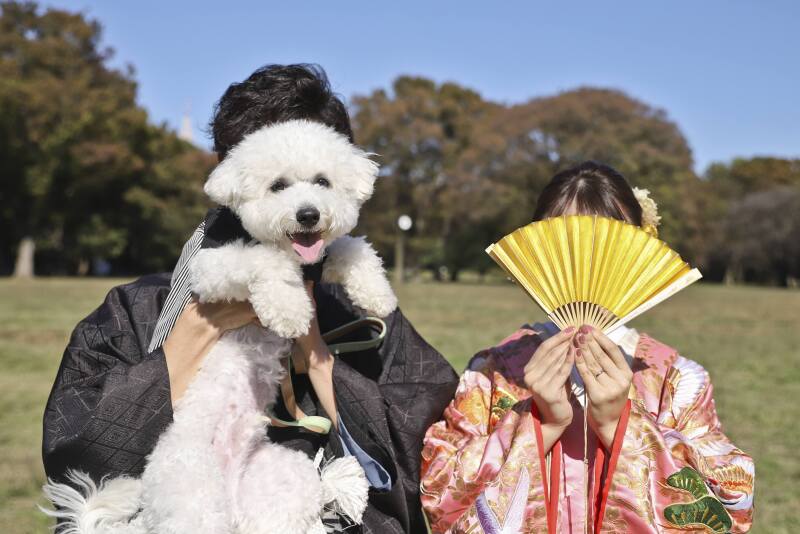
<point x="697" y="478"/>
<point x="470" y="463"/>
<point x="387" y="403"/>
<point x="111" y="399"/>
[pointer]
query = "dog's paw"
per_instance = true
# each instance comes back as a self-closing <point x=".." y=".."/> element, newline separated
<point x="219" y="274"/>
<point x="383" y="304"/>
<point x="374" y="295"/>
<point x="353" y="263"/>
<point x="291" y="327"/>
<point x="287" y="313"/>
<point x="376" y="298"/>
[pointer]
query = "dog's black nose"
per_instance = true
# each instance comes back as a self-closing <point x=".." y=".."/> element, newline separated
<point x="308" y="216"/>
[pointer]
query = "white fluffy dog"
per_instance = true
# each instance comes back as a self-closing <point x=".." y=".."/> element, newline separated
<point x="297" y="188"/>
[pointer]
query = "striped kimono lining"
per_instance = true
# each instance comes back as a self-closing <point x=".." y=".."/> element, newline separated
<point x="179" y="295"/>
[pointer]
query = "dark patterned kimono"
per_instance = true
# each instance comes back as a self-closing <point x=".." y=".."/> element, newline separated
<point x="111" y="397"/>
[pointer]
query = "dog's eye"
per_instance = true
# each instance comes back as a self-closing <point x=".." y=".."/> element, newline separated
<point x="278" y="185"/>
<point x="322" y="181"/>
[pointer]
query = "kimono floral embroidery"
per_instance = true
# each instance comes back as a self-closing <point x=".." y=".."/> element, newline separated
<point x="675" y="469"/>
<point x="502" y="401"/>
<point x="475" y="453"/>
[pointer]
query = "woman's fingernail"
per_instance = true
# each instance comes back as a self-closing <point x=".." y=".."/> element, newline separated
<point x="578" y="353"/>
<point x="585" y="329"/>
<point x="575" y="341"/>
<point x="569" y="330"/>
<point x="581" y="338"/>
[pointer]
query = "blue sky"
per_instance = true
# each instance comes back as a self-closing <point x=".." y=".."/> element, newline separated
<point x="728" y="72"/>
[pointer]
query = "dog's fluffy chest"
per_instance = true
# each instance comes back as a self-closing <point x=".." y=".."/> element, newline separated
<point x="242" y="373"/>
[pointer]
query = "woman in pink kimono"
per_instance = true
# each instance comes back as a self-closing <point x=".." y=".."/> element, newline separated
<point x="513" y="454"/>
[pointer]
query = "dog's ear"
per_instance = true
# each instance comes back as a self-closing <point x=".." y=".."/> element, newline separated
<point x="365" y="171"/>
<point x="223" y="184"/>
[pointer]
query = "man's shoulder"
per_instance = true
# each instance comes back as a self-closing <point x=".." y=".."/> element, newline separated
<point x="143" y="287"/>
<point x="138" y="300"/>
<point x="148" y="281"/>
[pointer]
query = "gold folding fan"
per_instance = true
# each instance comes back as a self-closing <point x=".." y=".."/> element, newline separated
<point x="583" y="269"/>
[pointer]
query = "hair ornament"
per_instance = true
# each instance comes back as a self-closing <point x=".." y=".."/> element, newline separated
<point x="650" y="217"/>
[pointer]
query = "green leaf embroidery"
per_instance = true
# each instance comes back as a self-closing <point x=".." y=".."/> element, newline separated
<point x="505" y="402"/>
<point x="705" y="511"/>
<point x="688" y="479"/>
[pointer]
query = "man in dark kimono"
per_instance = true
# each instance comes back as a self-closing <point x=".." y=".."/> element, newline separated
<point x="130" y="359"/>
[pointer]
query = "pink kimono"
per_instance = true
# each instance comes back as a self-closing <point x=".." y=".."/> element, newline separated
<point x="670" y="468"/>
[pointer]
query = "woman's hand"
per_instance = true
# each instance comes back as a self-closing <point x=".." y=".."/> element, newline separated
<point x="197" y="329"/>
<point x="546" y="376"/>
<point x="607" y="376"/>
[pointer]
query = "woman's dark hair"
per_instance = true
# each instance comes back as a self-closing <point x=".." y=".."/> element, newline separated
<point x="594" y="189"/>
<point x="272" y="94"/>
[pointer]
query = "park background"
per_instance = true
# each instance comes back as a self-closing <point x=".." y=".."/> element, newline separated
<point x="471" y="108"/>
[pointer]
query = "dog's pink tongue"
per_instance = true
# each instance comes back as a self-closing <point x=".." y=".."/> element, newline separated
<point x="308" y="246"/>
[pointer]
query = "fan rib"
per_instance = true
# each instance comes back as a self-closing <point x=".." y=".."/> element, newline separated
<point x="591" y="270"/>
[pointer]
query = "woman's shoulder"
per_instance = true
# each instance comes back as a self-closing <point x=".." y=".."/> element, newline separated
<point x="662" y="366"/>
<point x="508" y="358"/>
<point x="662" y="357"/>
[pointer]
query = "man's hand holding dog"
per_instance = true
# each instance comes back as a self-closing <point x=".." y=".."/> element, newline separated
<point x="197" y="329"/>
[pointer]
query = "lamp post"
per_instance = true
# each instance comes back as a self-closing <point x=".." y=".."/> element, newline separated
<point x="404" y="224"/>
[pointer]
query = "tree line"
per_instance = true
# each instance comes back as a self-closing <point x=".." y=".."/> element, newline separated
<point x="87" y="176"/>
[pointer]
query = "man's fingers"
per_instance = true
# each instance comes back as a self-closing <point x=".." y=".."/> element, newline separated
<point x="309" y="285"/>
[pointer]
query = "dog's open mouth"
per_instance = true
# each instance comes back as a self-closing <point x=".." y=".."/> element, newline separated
<point x="308" y="245"/>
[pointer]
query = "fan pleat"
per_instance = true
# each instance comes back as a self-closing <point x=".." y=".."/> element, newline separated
<point x="634" y="260"/>
<point x="591" y="270"/>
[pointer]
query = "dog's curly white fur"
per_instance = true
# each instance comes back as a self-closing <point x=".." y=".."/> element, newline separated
<point x="214" y="469"/>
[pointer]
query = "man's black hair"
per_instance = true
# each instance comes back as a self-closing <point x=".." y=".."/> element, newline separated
<point x="272" y="94"/>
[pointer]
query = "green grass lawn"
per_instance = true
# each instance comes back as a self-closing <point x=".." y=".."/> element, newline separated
<point x="748" y="339"/>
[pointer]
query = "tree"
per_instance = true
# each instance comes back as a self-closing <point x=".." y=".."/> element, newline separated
<point x="166" y="203"/>
<point x="743" y="176"/>
<point x="731" y="193"/>
<point x="549" y="134"/>
<point x="469" y="170"/>
<point x="421" y="133"/>
<point x="77" y="149"/>
<point x="761" y="233"/>
<point x="56" y="87"/>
